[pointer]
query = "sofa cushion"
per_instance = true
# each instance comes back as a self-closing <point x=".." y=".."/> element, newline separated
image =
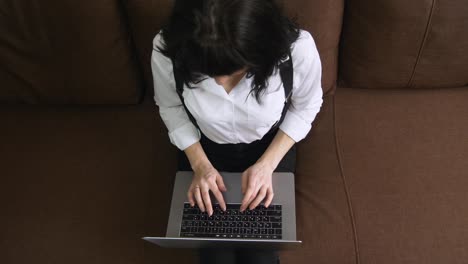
<point x="404" y="157"/>
<point x="404" y="44"/>
<point x="66" y="52"/>
<point x="322" y="18"/>
<point x="76" y="183"/>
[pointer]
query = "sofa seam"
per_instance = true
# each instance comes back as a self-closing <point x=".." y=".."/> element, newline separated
<point x="346" y="189"/>
<point x="423" y="43"/>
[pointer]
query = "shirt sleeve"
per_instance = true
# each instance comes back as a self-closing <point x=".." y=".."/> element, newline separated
<point x="306" y="99"/>
<point x="182" y="132"/>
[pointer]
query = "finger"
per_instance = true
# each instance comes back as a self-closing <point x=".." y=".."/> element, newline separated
<point x="254" y="194"/>
<point x="190" y="197"/>
<point x="244" y="182"/>
<point x="207" y="200"/>
<point x="219" y="196"/>
<point x="259" y="198"/>
<point x="269" y="196"/>
<point x="198" y="198"/>
<point x="220" y="182"/>
<point x="248" y="193"/>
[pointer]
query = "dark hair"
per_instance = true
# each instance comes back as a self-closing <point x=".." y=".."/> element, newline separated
<point x="218" y="37"/>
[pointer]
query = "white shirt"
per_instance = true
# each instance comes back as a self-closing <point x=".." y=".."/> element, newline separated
<point x="231" y="118"/>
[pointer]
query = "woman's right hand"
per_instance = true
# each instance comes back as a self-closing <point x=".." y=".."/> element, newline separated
<point x="206" y="178"/>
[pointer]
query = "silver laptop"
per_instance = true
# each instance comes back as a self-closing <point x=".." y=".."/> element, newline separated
<point x="272" y="227"/>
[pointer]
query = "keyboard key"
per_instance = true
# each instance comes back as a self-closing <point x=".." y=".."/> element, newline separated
<point x="274" y="213"/>
<point x="187" y="217"/>
<point x="278" y="231"/>
<point x="275" y="219"/>
<point x="276" y="225"/>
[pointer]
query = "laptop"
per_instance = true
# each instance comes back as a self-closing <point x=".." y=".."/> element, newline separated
<point x="273" y="227"/>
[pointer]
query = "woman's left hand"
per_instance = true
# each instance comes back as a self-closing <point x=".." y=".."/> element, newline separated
<point x="256" y="185"/>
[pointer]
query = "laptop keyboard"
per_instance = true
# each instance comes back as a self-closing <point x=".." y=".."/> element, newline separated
<point x="260" y="223"/>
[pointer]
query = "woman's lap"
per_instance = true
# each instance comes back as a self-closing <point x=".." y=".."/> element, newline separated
<point x="238" y="157"/>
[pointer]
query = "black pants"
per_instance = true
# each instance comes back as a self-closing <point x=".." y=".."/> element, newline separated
<point x="238" y="158"/>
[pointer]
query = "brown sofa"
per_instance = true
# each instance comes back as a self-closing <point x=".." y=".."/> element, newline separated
<point x="86" y="165"/>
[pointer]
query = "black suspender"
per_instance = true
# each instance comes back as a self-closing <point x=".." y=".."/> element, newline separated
<point x="180" y="89"/>
<point x="287" y="77"/>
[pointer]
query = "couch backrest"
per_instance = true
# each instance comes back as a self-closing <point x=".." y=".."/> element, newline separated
<point x="404" y="44"/>
<point x="66" y="52"/>
<point x="323" y="18"/>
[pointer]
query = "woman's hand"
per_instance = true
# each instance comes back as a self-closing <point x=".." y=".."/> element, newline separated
<point x="206" y="178"/>
<point x="256" y="185"/>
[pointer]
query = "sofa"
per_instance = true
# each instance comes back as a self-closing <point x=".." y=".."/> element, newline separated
<point x="86" y="166"/>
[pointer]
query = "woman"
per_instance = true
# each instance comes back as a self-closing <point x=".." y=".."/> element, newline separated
<point x="226" y="110"/>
